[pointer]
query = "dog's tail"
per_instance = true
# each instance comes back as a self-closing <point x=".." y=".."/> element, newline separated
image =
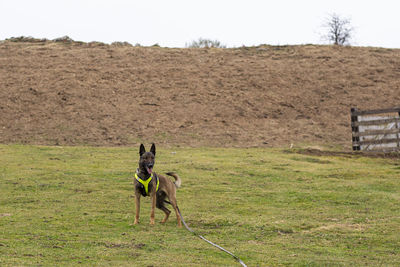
<point x="178" y="181"/>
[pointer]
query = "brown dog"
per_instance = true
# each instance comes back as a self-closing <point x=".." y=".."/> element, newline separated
<point x="158" y="187"/>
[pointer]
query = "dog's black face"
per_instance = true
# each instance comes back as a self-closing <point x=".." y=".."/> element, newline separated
<point x="147" y="159"/>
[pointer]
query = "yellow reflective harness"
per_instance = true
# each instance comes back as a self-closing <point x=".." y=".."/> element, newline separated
<point x="145" y="183"/>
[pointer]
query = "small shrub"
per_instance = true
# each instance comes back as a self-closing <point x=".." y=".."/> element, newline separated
<point x="205" y="43"/>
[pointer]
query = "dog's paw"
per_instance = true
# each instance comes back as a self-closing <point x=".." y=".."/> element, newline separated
<point x="136" y="222"/>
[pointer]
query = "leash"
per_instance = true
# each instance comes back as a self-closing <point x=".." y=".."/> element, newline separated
<point x="208" y="241"/>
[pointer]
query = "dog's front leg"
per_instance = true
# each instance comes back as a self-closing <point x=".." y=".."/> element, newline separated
<point x="153" y="207"/>
<point x="137" y="203"/>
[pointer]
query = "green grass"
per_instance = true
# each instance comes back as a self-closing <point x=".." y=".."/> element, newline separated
<point x="75" y="206"/>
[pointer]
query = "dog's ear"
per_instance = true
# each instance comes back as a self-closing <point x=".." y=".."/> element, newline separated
<point x="142" y="150"/>
<point x="153" y="149"/>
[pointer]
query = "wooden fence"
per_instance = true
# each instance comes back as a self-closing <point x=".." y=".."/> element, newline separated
<point x="376" y="130"/>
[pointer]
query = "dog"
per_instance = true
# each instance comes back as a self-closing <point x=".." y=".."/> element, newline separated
<point x="158" y="187"/>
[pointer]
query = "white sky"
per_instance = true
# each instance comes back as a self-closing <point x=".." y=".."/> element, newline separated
<point x="173" y="23"/>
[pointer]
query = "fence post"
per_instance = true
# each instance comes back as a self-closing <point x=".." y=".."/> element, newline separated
<point x="354" y="128"/>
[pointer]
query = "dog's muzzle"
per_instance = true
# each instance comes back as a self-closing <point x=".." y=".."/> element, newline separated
<point x="149" y="168"/>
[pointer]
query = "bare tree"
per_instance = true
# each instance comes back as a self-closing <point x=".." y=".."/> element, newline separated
<point x="339" y="30"/>
<point x="205" y="43"/>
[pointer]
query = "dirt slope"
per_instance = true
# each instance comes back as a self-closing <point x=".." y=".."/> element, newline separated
<point x="95" y="94"/>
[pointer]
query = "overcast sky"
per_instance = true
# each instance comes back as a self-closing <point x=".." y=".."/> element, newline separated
<point x="173" y="23"/>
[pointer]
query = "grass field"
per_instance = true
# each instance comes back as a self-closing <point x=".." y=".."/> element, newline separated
<point x="75" y="206"/>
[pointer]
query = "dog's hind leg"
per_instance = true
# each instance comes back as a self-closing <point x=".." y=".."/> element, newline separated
<point x="167" y="212"/>
<point x="161" y="206"/>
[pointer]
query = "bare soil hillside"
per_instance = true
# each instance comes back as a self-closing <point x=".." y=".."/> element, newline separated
<point x="71" y="93"/>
